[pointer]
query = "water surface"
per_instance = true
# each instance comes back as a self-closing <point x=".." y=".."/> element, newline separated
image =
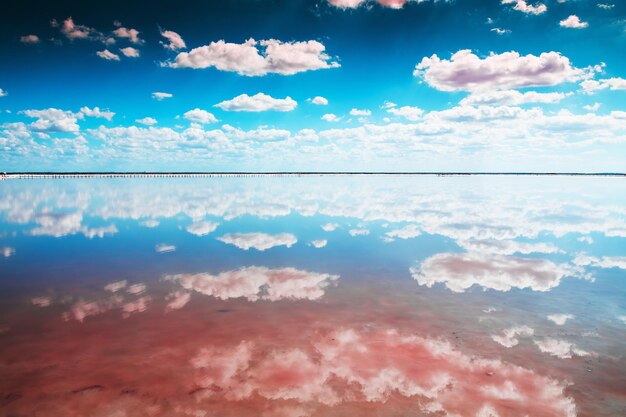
<point x="298" y="297"/>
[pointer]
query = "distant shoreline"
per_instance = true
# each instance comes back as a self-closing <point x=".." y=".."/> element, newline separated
<point x="34" y="175"/>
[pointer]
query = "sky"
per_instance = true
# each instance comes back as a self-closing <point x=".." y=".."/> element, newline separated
<point x="317" y="85"/>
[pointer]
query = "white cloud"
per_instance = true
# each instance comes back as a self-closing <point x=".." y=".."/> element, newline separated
<point x="407" y="232"/>
<point x="591" y="86"/>
<point x="160" y="95"/>
<point x="377" y="366"/>
<point x="257" y="103"/>
<point x="604" y="262"/>
<point x="3" y="93"/>
<point x="130" y="52"/>
<point x="359" y="112"/>
<point x="148" y="121"/>
<point x="116" y="286"/>
<point x="330" y="117"/>
<point x="319" y="100"/>
<point x="329" y="227"/>
<point x="7" y="251"/>
<point x="560" y="319"/>
<point x="108" y="55"/>
<point x="175" y="42"/>
<point x="200" y="116"/>
<point x="606" y="6"/>
<point x="466" y="71"/>
<point x="164" y="248"/>
<point x="30" y="39"/>
<point x="258" y="241"/>
<point x="573" y="22"/>
<point x="560" y="348"/>
<point x="408" y="112"/>
<point x="500" y="31"/>
<point x="359" y="232"/>
<point x="509" y="337"/>
<point x="202" y="228"/>
<point x="524" y="7"/>
<point x="177" y="300"/>
<point x="54" y="120"/>
<point x="130" y="34"/>
<point x="592" y="107"/>
<point x="136" y="289"/>
<point x="319" y="243"/>
<point x="286" y="58"/>
<point x="460" y="271"/>
<point x="96" y="112"/>
<point x="510" y="98"/>
<point x="258" y="283"/>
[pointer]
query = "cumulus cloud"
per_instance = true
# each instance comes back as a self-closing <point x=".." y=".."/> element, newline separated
<point x="3" y="93"/>
<point x="160" y="95"/>
<point x="108" y="55"/>
<point x="466" y="71"/>
<point x="73" y="31"/>
<point x="510" y="98"/>
<point x="258" y="241"/>
<point x="560" y="348"/>
<point x="353" y="4"/>
<point x="606" y="6"/>
<point x="258" y="283"/>
<point x="408" y="112"/>
<point x="359" y="232"/>
<point x="330" y="117"/>
<point x="164" y="248"/>
<point x="130" y="34"/>
<point x="150" y="223"/>
<point x="560" y="319"/>
<point x="54" y="120"/>
<point x="524" y="7"/>
<point x="407" y="232"/>
<point x="148" y="121"/>
<point x="136" y="289"/>
<point x="591" y="86"/>
<point x="30" y="39"/>
<point x="96" y="112"/>
<point x="257" y="103"/>
<point x="329" y="227"/>
<point x="177" y="300"/>
<point x="130" y="52"/>
<point x="604" y="262"/>
<point x="319" y="100"/>
<point x="510" y="336"/>
<point x="273" y="57"/>
<point x="350" y="364"/>
<point x="460" y="271"/>
<point x="360" y="112"/>
<point x="319" y="243"/>
<point x="202" y="228"/>
<point x="200" y="116"/>
<point x="573" y="22"/>
<point x="174" y="41"/>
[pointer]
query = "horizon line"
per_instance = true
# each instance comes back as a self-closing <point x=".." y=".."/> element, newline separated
<point x="113" y="174"/>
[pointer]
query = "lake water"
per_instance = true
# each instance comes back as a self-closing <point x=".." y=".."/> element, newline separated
<point x="323" y="296"/>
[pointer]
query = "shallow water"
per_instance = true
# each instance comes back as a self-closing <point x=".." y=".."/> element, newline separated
<point x="369" y="296"/>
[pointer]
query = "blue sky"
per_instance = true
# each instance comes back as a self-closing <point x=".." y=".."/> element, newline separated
<point x="416" y="85"/>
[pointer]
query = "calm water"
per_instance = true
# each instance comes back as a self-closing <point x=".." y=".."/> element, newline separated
<point x="298" y="297"/>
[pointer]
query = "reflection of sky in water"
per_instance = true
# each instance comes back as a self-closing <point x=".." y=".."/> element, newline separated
<point x="313" y="296"/>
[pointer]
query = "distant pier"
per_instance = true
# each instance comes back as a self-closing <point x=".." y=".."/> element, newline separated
<point x="47" y="175"/>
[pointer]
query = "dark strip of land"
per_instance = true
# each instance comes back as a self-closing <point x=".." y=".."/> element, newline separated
<point x="9" y="175"/>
